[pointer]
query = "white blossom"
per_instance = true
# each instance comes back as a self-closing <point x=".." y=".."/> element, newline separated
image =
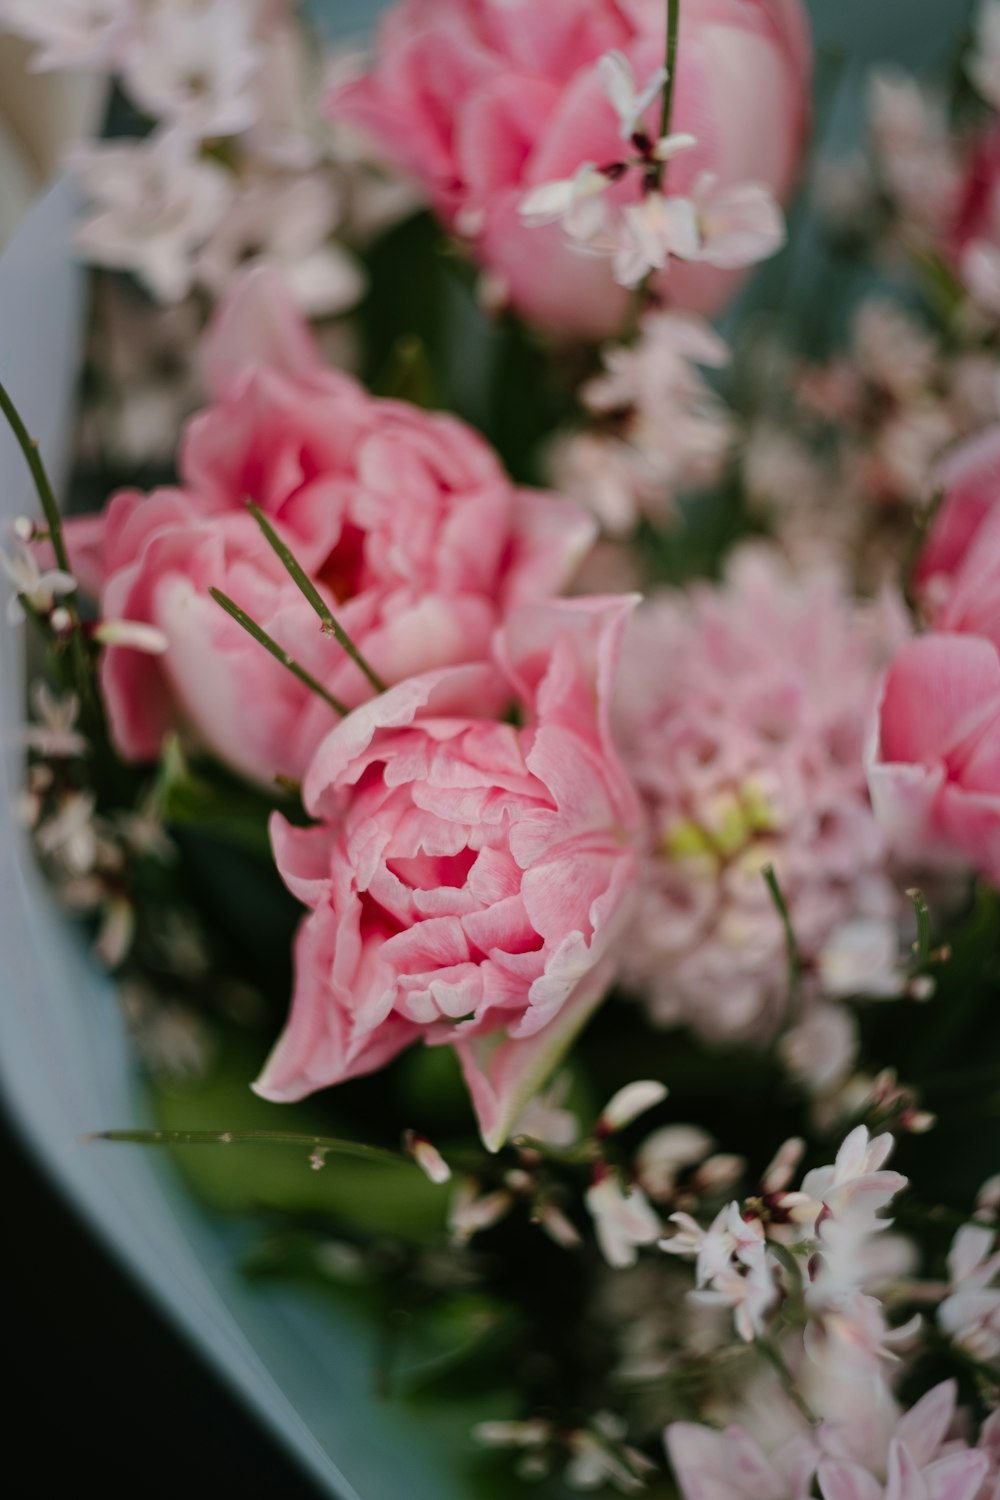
<point x="629" y="1103"/>
<point x="472" y="1211"/>
<point x="970" y="1315"/>
<point x="54" y="733"/>
<point x="285" y="221"/>
<point x="622" y="1220"/>
<point x="734" y="226"/>
<point x="156" y="202"/>
<point x="628" y="101"/>
<point x="668" y="1152"/>
<point x="575" y="202"/>
<point x="545" y="1118"/>
<point x="70" y="834"/>
<point x="38" y="588"/>
<point x="71" y="34"/>
<point x="428" y="1158"/>
<point x="195" y="65"/>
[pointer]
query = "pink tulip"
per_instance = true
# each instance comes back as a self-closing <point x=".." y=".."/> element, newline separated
<point x="411" y="531"/>
<point x="480" y="102"/>
<point x="470" y="877"/>
<point x="958" y="572"/>
<point x="935" y="771"/>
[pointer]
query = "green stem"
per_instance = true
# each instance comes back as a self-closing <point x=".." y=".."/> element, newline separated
<point x="80" y="656"/>
<point x="43" y="486"/>
<point x="309" y="590"/>
<point x="791" y="945"/>
<point x="773" y="1355"/>
<point x="670" y="60"/>
<point x="313" y="1143"/>
<point x="922" y="947"/>
<point x="270" y="644"/>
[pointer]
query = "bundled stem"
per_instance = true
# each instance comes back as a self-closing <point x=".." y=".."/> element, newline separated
<point x="309" y="590"/>
<point x="262" y="638"/>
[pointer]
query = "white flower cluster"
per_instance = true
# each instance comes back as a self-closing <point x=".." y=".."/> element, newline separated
<point x="657" y="427"/>
<point x="729" y="227"/>
<point x="237" y="168"/>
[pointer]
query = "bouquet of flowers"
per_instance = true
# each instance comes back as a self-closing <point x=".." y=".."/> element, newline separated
<point x="515" y="704"/>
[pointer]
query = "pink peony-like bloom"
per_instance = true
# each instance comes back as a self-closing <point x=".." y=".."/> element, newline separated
<point x="404" y="519"/>
<point x="958" y="571"/>
<point x="743" y="714"/>
<point x="470" y="878"/>
<point x="482" y="102"/>
<point x="934" y="771"/>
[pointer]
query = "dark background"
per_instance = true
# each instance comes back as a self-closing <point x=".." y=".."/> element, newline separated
<point x="102" y="1389"/>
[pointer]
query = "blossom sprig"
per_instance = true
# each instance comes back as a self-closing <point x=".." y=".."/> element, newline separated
<point x="725" y="226"/>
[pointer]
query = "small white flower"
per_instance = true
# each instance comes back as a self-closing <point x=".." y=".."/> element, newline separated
<point x="650" y="232"/>
<point x="971" y="1314"/>
<point x="575" y="202"/>
<point x="629" y="1103"/>
<point x="54" y="733"/>
<point x="36" y="588"/>
<point x="70" y="835"/>
<point x="668" y="1152"/>
<point x="195" y="66"/>
<point x="156" y="203"/>
<point x="285" y="222"/>
<point x="622" y="1220"/>
<point x="428" y="1158"/>
<point x="470" y="1211"/>
<point x="558" y="1227"/>
<point x="134" y="634"/>
<point x="736" y="226"/>
<point x="117" y="930"/>
<point x="629" y="102"/>
<point x="669" y="146"/>
<point x="544" y="1118"/>
<point x="73" y="34"/>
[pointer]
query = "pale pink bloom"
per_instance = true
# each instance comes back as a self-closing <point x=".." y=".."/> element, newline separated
<point x="623" y="1220"/>
<point x="730" y="1465"/>
<point x="855" y="1187"/>
<point x="195" y="66"/>
<point x="600" y="1457"/>
<point x="285" y="221"/>
<point x="934" y="771"/>
<point x="743" y="713"/>
<point x="415" y="537"/>
<point x="71" y="33"/>
<point x="732" y="1267"/>
<point x="470" y="880"/>
<point x="970" y="1315"/>
<point x="155" y="202"/>
<point x="956" y="1476"/>
<point x="849" y="1339"/>
<point x="481" y="103"/>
